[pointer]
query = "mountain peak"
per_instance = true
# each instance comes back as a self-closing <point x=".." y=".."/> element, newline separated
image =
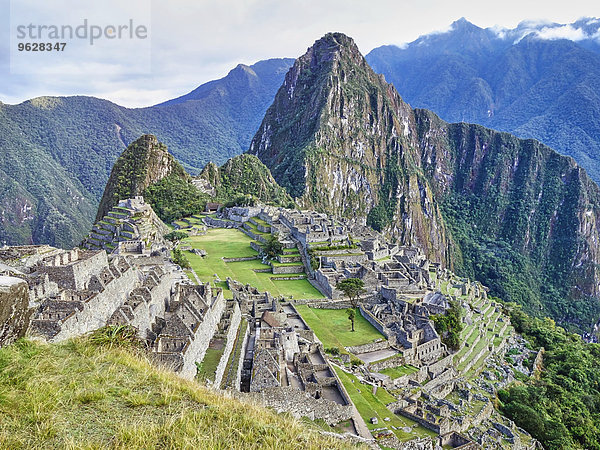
<point x="144" y="162"/>
<point x="332" y="44"/>
<point x="243" y="69"/>
<point x="463" y="25"/>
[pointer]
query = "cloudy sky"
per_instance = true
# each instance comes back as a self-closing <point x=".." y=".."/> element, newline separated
<point x="190" y="42"/>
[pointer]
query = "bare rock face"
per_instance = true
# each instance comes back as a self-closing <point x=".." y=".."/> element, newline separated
<point x="14" y="309"/>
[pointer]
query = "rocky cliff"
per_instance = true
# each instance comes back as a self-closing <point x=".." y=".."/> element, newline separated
<point x="525" y="220"/>
<point x="512" y="213"/>
<point x="341" y="140"/>
<point x="144" y="163"/>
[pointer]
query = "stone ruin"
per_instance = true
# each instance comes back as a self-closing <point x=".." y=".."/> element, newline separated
<point x="131" y="227"/>
<point x="284" y="365"/>
<point x="71" y="293"/>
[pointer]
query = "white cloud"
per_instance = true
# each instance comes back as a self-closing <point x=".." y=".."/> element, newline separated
<point x="562" y="32"/>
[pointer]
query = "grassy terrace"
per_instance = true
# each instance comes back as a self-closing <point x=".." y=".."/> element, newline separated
<point x="261" y="222"/>
<point x="208" y="366"/>
<point x="333" y="328"/>
<point x="84" y="394"/>
<point x="370" y="405"/>
<point x="278" y="264"/>
<point x="397" y="372"/>
<point x="255" y="230"/>
<point x="231" y="243"/>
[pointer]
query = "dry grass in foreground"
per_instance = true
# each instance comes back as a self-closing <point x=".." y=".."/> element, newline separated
<point x="101" y="392"/>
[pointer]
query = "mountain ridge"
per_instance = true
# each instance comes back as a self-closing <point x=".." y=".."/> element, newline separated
<point x="524" y="80"/>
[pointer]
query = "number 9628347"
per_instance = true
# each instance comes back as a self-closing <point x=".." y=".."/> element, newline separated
<point x="41" y="46"/>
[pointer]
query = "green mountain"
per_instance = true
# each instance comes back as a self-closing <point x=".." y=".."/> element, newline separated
<point x="511" y="213"/>
<point x="144" y="163"/>
<point x="58" y="151"/>
<point x="518" y="80"/>
<point x="338" y="138"/>
<point x="245" y="175"/>
<point x="146" y="168"/>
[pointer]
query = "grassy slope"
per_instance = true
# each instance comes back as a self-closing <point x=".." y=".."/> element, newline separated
<point x="370" y="405"/>
<point x="229" y="243"/>
<point x="82" y="395"/>
<point x="333" y="328"/>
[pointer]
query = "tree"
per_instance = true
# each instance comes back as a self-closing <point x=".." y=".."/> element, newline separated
<point x="449" y="325"/>
<point x="351" y="316"/>
<point x="352" y="288"/>
<point x="176" y="236"/>
<point x="273" y="247"/>
<point x="180" y="259"/>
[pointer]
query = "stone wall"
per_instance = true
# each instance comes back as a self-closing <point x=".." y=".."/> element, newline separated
<point x="301" y="404"/>
<point x="234" y="325"/>
<point x="290" y="278"/>
<point x="375" y="322"/>
<point x="395" y="361"/>
<point x="98" y="309"/>
<point x="219" y="223"/>
<point x="355" y="258"/>
<point x="438" y="367"/>
<point x="146" y="312"/>
<point x="322" y="284"/>
<point x="436" y="427"/>
<point x="14" y="309"/>
<point x="370" y="347"/>
<point x="414" y="444"/>
<point x="253" y="235"/>
<point x="76" y="275"/>
<point x="206" y="330"/>
<point x="238" y="377"/>
<point x="244" y="258"/>
<point x="203" y="335"/>
<point x="288" y="269"/>
<point x="334" y="304"/>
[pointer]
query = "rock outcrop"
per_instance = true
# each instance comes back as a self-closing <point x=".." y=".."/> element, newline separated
<point x="14" y="309"/>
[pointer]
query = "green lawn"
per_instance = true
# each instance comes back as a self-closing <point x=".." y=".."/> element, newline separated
<point x="333" y="328"/>
<point x="397" y="372"/>
<point x="208" y="366"/>
<point x="370" y="405"/>
<point x="231" y="243"/>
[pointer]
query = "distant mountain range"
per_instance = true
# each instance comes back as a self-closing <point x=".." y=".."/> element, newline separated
<point x="57" y="152"/>
<point x="536" y="80"/>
